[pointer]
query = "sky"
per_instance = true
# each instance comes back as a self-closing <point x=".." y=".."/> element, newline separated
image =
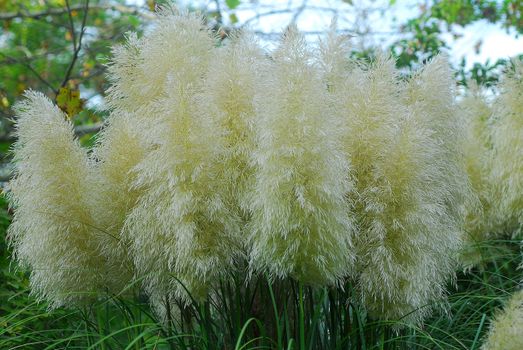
<point x="496" y="42"/>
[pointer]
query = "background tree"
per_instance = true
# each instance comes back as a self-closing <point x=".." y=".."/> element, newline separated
<point x="423" y="36"/>
<point x="60" y="47"/>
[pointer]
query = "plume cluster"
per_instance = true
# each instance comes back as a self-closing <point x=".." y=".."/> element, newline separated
<point x="475" y="113"/>
<point x="402" y="142"/>
<point x="301" y="221"/>
<point x="55" y="232"/>
<point x="493" y="148"/>
<point x="306" y="165"/>
<point x="506" y="329"/>
<point x="507" y="148"/>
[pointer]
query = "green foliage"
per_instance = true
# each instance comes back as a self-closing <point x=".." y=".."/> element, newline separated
<point x="272" y="315"/>
<point x="8" y="280"/>
<point x="478" y="295"/>
<point x="422" y="44"/>
<point x="39" y="51"/>
<point x="423" y="36"/>
<point x="69" y="101"/>
<point x="509" y="13"/>
<point x="486" y="74"/>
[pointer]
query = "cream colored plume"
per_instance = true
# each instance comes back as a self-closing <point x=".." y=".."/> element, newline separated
<point x="118" y="150"/>
<point x="181" y="228"/>
<point x="431" y="96"/>
<point x="507" y="142"/>
<point x="409" y="233"/>
<point x="334" y="58"/>
<point x="228" y="99"/>
<point x="301" y="224"/>
<point x="54" y="232"/>
<point x="506" y="329"/>
<point x="481" y="222"/>
<point x="179" y="45"/>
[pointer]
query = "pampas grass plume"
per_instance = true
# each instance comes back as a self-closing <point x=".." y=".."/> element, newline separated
<point x="118" y="151"/>
<point x="408" y="235"/>
<point x="507" y="142"/>
<point x="54" y="232"/>
<point x="228" y="99"/>
<point x="301" y="224"/>
<point x="181" y="226"/>
<point x="177" y="47"/>
<point x="481" y="220"/>
<point x="506" y="330"/>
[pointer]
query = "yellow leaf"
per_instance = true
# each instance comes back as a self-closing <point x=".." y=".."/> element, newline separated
<point x="20" y="86"/>
<point x="151" y="4"/>
<point x="69" y="101"/>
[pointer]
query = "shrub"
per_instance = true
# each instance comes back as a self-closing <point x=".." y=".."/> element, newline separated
<point x="219" y="163"/>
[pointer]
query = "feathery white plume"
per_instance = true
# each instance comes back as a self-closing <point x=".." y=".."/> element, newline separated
<point x="506" y="330"/>
<point x="301" y="223"/>
<point x="54" y="232"/>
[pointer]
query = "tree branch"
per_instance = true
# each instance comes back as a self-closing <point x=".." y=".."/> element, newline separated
<point x="71" y="24"/>
<point x="77" y="46"/>
<point x="13" y="60"/>
<point x="131" y="10"/>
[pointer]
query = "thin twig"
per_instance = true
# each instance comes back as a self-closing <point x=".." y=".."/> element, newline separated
<point x="132" y="10"/>
<point x="77" y="46"/>
<point x="298" y="12"/>
<point x="71" y="24"/>
<point x="219" y="17"/>
<point x="27" y="65"/>
<point x="265" y="14"/>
